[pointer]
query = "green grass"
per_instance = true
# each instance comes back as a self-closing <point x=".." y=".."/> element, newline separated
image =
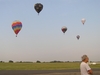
<point x="41" y="66"/>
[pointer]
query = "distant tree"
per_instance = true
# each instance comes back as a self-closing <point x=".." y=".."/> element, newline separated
<point x="1" y="61"/>
<point x="20" y="62"/>
<point x="90" y="61"/>
<point x="56" y="61"/>
<point x="38" y="61"/>
<point x="10" y="61"/>
<point x="44" y="62"/>
<point x="27" y="62"/>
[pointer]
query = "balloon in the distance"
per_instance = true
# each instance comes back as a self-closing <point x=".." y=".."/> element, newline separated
<point x="83" y="21"/>
<point x="78" y="37"/>
<point x="38" y="7"/>
<point x="16" y="26"/>
<point x="64" y="29"/>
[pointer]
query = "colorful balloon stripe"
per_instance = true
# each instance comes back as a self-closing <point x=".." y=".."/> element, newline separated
<point x="16" y="26"/>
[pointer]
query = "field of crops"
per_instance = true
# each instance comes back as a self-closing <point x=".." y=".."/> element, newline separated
<point x="42" y="66"/>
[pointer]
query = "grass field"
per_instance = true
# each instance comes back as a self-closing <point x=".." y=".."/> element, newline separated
<point x="42" y="66"/>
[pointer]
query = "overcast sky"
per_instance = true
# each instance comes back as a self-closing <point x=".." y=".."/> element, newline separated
<point x="41" y="37"/>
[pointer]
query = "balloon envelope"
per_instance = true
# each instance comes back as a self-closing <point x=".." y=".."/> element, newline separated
<point x="83" y="21"/>
<point x="78" y="37"/>
<point x="16" y="26"/>
<point x="38" y="7"/>
<point x="64" y="29"/>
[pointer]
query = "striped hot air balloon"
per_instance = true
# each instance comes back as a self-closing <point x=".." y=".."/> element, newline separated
<point x="16" y="26"/>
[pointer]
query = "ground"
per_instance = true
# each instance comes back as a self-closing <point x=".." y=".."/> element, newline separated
<point x="45" y="72"/>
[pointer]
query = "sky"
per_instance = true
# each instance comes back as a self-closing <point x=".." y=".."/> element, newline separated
<point x="41" y="37"/>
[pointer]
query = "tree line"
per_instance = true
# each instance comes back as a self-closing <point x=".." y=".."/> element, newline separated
<point x="11" y="61"/>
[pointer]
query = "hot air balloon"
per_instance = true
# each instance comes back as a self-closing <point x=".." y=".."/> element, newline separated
<point x="78" y="37"/>
<point x="83" y="21"/>
<point x="16" y="26"/>
<point x="38" y="7"/>
<point x="64" y="29"/>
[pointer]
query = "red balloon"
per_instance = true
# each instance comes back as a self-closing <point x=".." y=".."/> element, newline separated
<point x="64" y="29"/>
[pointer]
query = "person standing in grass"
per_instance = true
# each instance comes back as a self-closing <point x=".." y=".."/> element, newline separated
<point x="84" y="67"/>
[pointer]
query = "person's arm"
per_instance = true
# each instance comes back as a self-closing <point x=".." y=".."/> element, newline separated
<point x="90" y="71"/>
